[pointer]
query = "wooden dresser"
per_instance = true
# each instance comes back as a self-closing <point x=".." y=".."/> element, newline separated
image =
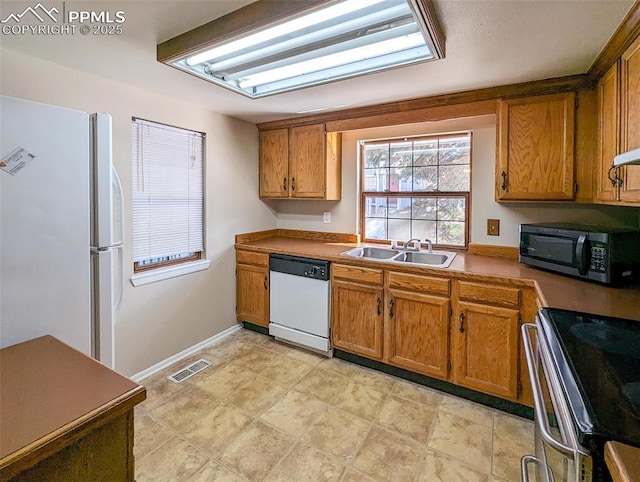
<point x="64" y="416"/>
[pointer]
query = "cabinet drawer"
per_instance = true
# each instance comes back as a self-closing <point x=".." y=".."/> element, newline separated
<point x="356" y="273"/>
<point x="487" y="294"/>
<point x="426" y="284"/>
<point x="249" y="257"/>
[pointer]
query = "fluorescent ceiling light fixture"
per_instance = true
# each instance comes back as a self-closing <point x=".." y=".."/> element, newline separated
<point x="269" y="47"/>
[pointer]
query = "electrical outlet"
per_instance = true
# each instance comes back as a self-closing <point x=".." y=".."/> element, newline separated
<point x="493" y="227"/>
<point x="326" y="217"/>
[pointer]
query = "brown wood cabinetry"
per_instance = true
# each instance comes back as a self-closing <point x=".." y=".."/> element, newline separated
<point x="357" y="310"/>
<point x="252" y="287"/>
<point x="417" y="327"/>
<point x="300" y="162"/>
<point x="486" y="337"/>
<point x="475" y="345"/>
<point x="535" y="148"/>
<point x="274" y="163"/>
<point x="608" y="135"/>
<point x="619" y="129"/>
<point x="630" y="125"/>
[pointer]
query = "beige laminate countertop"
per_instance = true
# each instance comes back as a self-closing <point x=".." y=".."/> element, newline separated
<point x="554" y="290"/>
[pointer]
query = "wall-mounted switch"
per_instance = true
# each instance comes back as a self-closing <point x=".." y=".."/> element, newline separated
<point x="326" y="217"/>
<point x="493" y="227"/>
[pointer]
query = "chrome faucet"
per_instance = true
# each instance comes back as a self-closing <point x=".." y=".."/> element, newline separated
<point x="429" y="245"/>
<point x="414" y="241"/>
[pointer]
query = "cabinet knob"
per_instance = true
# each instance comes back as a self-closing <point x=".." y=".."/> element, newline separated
<point x="461" y="322"/>
<point x="504" y="180"/>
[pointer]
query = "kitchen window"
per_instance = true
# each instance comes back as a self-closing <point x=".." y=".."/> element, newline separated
<point x="168" y="197"/>
<point x="416" y="187"/>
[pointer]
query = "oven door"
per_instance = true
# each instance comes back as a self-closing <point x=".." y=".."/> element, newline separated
<point x="558" y="455"/>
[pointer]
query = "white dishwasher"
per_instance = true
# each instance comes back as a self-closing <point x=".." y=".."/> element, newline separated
<point x="299" y="301"/>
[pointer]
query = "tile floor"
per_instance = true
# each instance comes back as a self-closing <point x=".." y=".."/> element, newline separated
<point x="268" y="411"/>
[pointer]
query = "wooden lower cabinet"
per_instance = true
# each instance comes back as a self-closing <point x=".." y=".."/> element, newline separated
<point x="252" y="288"/>
<point x="417" y="324"/>
<point x="486" y="338"/>
<point x="357" y="318"/>
<point x="486" y="354"/>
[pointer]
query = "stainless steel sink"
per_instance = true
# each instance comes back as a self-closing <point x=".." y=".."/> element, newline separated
<point x="372" y="252"/>
<point x="437" y="259"/>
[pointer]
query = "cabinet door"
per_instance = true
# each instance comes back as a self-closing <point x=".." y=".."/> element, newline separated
<point x="487" y="349"/>
<point x="274" y="163"/>
<point x="608" y="129"/>
<point x="307" y="162"/>
<point x="417" y="332"/>
<point x="630" y="90"/>
<point x="252" y="294"/>
<point x="535" y="148"/>
<point x="356" y="319"/>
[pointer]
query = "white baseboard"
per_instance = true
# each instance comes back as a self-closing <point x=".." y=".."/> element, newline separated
<point x="138" y="377"/>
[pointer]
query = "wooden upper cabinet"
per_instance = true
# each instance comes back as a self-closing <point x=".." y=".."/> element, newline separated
<point x="307" y="166"/>
<point x="274" y="163"/>
<point x="630" y="125"/>
<point x="535" y="148"/>
<point x="300" y="162"/>
<point x="608" y="134"/>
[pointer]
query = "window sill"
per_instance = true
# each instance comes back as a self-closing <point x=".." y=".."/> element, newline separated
<point x="160" y="274"/>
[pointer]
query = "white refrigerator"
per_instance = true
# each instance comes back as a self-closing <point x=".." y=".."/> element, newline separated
<point x="61" y="210"/>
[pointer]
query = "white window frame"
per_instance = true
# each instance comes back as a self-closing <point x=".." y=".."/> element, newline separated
<point x="174" y="253"/>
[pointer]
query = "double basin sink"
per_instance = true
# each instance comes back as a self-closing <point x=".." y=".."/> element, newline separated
<point x="435" y="259"/>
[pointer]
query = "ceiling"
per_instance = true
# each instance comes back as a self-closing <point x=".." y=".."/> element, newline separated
<point x="488" y="43"/>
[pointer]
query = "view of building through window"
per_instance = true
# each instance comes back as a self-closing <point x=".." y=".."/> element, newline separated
<point x="416" y="188"/>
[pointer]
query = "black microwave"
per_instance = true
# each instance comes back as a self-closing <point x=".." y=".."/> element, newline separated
<point x="605" y="255"/>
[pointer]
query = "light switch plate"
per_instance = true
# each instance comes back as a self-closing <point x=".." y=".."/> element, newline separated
<point x="493" y="227"/>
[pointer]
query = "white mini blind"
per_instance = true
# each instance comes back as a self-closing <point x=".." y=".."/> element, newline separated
<point x="167" y="191"/>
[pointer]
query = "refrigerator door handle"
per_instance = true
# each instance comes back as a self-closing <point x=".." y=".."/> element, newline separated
<point x="118" y="278"/>
<point x="118" y="198"/>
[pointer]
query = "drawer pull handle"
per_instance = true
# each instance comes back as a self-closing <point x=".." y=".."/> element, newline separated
<point x="504" y="181"/>
<point x="461" y="322"/>
<point x="391" y="307"/>
<point x="266" y="286"/>
<point x="378" y="307"/>
<point x="293" y="183"/>
<point x="284" y="184"/>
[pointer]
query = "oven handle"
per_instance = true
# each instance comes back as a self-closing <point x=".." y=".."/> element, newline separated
<point x="524" y="463"/>
<point x="538" y="399"/>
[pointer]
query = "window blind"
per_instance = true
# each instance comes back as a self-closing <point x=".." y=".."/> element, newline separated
<point x="167" y="191"/>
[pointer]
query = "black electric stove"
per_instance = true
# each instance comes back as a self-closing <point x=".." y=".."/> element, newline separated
<point x="598" y="360"/>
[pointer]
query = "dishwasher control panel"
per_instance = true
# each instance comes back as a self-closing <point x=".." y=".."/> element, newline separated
<point x="297" y="266"/>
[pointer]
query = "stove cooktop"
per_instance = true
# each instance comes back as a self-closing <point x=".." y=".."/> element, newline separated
<point x="599" y="362"/>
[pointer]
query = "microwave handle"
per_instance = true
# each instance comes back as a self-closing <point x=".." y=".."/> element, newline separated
<point x="582" y="254"/>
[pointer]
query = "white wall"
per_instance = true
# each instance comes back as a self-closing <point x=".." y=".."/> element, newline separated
<point x="308" y="214"/>
<point x="160" y="319"/>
